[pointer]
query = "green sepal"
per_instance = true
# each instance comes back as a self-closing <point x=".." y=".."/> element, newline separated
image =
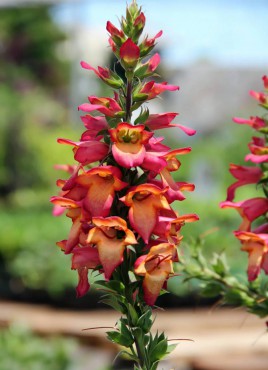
<point x="140" y="97"/>
<point x="263" y="130"/>
<point x="143" y="117"/>
<point x="140" y="71"/>
<point x="120" y="114"/>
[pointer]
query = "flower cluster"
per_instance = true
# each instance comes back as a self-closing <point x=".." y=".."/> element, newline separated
<point x="253" y="231"/>
<point x="119" y="194"/>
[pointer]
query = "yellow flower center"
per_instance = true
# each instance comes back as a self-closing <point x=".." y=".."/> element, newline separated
<point x="141" y="195"/>
<point x="127" y="136"/>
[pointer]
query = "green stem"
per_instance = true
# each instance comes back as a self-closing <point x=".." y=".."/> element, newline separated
<point x="128" y="100"/>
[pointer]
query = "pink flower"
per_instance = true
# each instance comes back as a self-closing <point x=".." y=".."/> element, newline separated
<point x="147" y="69"/>
<point x="148" y="44"/>
<point x="245" y="175"/>
<point x="262" y="98"/>
<point x="79" y="221"/>
<point x="140" y="21"/>
<point x="163" y="120"/>
<point x="254" y="122"/>
<point x="94" y="125"/>
<point x="169" y="225"/>
<point x="129" y="144"/>
<point x="152" y="89"/>
<point x="145" y="202"/>
<point x="83" y="259"/>
<point x="257" y="247"/>
<point x="259" y="151"/>
<point x="107" y="106"/>
<point x="88" y="151"/>
<point x="117" y="35"/>
<point x="265" y="82"/>
<point x="106" y="75"/>
<point x="101" y="183"/>
<point x="249" y="210"/>
<point x="111" y="236"/>
<point x="156" y="267"/>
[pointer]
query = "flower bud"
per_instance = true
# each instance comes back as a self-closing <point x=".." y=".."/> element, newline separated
<point x="129" y="54"/>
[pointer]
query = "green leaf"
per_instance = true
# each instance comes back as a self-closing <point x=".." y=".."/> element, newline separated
<point x="117" y="337"/>
<point x="126" y="333"/>
<point x="142" y="118"/>
<point x="133" y="314"/>
<point x="145" y="322"/>
<point x="219" y="265"/>
<point x="212" y="289"/>
<point x="159" y="351"/>
<point x="116" y="302"/>
<point x="171" y="348"/>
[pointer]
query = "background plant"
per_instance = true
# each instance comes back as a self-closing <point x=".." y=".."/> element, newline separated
<point x="252" y="233"/>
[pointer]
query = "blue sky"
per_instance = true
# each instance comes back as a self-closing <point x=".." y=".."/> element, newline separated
<point x="226" y="32"/>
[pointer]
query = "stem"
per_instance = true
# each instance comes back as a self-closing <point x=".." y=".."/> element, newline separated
<point x="138" y="334"/>
<point x="129" y="100"/>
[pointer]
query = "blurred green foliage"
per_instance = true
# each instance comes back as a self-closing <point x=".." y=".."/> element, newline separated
<point x="34" y="82"/>
<point x="22" y="350"/>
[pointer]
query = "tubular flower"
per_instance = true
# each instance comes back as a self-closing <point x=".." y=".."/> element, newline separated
<point x="254" y="122"/>
<point x="94" y="125"/>
<point x="88" y="151"/>
<point x="249" y="210"/>
<point x="107" y="178"/>
<point x="245" y="175"/>
<point x="106" y="75"/>
<point x="163" y="120"/>
<point x="259" y="151"/>
<point x="145" y="202"/>
<point x="147" y="44"/>
<point x="151" y="89"/>
<point x="107" y="106"/>
<point x="128" y="144"/>
<point x="156" y="267"/>
<point x="168" y="227"/>
<point x="117" y="35"/>
<point x="147" y="69"/>
<point x="110" y="235"/>
<point x="83" y="259"/>
<point x="261" y="97"/>
<point x="257" y="247"/>
<point x="76" y="214"/>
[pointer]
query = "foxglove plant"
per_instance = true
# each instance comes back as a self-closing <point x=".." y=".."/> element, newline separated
<point x="253" y="237"/>
<point x="214" y="274"/>
<point x="119" y="194"/>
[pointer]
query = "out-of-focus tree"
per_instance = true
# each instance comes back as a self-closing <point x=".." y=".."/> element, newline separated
<point x="33" y="81"/>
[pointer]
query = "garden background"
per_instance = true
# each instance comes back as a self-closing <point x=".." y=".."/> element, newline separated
<point x="214" y="50"/>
